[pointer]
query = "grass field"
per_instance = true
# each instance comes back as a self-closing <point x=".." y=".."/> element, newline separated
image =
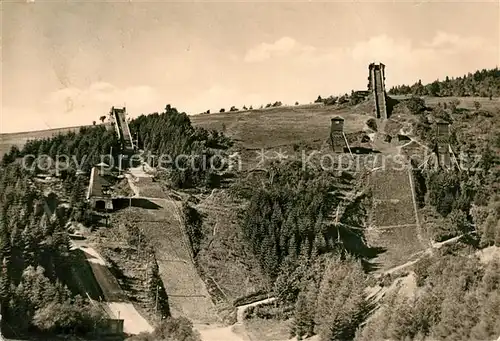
<point x="282" y="125"/>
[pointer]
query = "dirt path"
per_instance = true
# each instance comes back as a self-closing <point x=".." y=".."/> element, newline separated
<point x="221" y="333"/>
<point x="235" y="332"/>
<point x="240" y="311"/>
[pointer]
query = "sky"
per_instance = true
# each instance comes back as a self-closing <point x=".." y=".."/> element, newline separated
<point x="67" y="63"/>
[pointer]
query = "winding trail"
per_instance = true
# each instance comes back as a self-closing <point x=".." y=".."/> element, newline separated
<point x="236" y="332"/>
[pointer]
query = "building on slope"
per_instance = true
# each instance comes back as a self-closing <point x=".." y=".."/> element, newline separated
<point x="98" y="194"/>
<point x="353" y="143"/>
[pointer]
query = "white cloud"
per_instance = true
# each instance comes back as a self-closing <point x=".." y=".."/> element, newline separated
<point x="381" y="48"/>
<point x="443" y="54"/>
<point x="281" y="47"/>
<point x="453" y="41"/>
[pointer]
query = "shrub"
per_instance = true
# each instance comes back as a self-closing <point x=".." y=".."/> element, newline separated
<point x="372" y="124"/>
<point x="171" y="329"/>
<point x="67" y="318"/>
<point x="415" y="104"/>
<point x="343" y="99"/>
<point x="330" y="100"/>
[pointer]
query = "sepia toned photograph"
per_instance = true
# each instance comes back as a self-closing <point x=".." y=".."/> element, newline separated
<point x="249" y="171"/>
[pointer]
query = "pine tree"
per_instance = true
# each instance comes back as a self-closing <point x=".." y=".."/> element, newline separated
<point x="341" y="300"/>
<point x="305" y="311"/>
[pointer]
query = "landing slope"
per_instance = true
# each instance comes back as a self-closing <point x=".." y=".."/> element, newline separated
<point x="162" y="225"/>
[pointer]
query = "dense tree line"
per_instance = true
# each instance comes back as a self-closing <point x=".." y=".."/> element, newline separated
<point x="316" y="265"/>
<point x="483" y="83"/>
<point x="459" y="299"/>
<point x="83" y="149"/>
<point x="35" y="291"/>
<point x="287" y="215"/>
<point x="191" y="154"/>
<point x="170" y="134"/>
<point x="331" y="301"/>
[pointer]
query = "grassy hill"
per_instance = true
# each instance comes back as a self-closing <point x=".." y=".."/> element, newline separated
<point x="272" y="127"/>
<point x="279" y="126"/>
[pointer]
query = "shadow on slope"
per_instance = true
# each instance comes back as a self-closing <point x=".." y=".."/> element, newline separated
<point x="82" y="280"/>
<point x="390" y="103"/>
<point x="122" y="203"/>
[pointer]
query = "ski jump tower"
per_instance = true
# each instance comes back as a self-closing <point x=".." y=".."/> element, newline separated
<point x="376" y="85"/>
<point x="118" y="116"/>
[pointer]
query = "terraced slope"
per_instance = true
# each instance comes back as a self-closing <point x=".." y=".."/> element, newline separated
<point x="393" y="223"/>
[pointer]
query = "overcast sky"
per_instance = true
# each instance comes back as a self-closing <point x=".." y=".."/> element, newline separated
<point x="68" y="63"/>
